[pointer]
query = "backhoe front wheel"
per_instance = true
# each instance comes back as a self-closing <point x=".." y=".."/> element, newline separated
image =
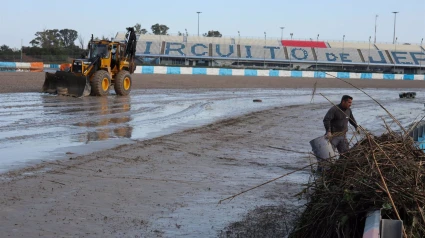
<point x="100" y="83"/>
<point x="122" y="85"/>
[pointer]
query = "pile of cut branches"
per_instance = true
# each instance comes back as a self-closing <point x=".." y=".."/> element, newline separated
<point x="385" y="172"/>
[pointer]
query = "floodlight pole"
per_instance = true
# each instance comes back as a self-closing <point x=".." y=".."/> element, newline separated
<point x="368" y="54"/>
<point x="281" y="33"/>
<point x="21" y="50"/>
<point x="265" y="44"/>
<point x="290" y="54"/>
<point x="395" y="50"/>
<point x="422" y="56"/>
<point x="239" y="43"/>
<point x="342" y="61"/>
<point x="317" y="40"/>
<point x="395" y="19"/>
<point x="376" y="18"/>
<point x="198" y="21"/>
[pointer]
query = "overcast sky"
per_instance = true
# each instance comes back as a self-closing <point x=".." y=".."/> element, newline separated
<point x="331" y="19"/>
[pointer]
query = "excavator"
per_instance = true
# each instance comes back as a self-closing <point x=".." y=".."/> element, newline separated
<point x="108" y="63"/>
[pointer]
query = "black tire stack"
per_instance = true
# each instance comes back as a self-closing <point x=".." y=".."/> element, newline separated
<point x="408" y="95"/>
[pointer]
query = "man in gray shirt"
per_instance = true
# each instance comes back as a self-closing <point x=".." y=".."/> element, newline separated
<point x="336" y="123"/>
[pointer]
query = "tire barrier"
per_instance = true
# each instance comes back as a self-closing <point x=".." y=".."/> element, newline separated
<point x="65" y="67"/>
<point x="37" y="67"/>
<point x="407" y="95"/>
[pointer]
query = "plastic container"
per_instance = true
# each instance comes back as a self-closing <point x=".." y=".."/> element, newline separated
<point x="322" y="148"/>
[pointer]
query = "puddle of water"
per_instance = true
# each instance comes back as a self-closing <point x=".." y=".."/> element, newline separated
<point x="36" y="127"/>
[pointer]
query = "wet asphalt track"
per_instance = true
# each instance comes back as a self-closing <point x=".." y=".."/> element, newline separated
<point x="38" y="127"/>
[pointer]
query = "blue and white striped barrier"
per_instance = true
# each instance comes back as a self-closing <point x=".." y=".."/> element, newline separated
<point x="271" y="73"/>
<point x="8" y="66"/>
<point x="22" y="66"/>
<point x="51" y="66"/>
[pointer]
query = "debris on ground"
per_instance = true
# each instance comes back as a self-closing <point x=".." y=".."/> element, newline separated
<point x="264" y="221"/>
<point x="385" y="172"/>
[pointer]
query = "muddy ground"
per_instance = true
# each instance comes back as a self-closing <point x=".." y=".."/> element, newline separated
<point x="32" y="82"/>
<point x="170" y="186"/>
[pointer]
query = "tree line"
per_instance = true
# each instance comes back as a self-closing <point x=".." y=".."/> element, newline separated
<point x="160" y="29"/>
<point x="58" y="45"/>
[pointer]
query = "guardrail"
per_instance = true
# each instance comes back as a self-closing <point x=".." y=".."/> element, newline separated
<point x="418" y="135"/>
<point x="271" y="73"/>
<point x="376" y="227"/>
<point x="26" y="67"/>
<point x="40" y="67"/>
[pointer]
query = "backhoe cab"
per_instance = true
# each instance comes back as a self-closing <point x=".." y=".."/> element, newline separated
<point x="107" y="64"/>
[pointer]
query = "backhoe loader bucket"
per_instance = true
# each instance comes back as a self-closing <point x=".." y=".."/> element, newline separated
<point x="66" y="83"/>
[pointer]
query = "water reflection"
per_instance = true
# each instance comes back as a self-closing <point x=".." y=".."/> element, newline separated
<point x="102" y="118"/>
<point x="90" y="118"/>
<point x="107" y="117"/>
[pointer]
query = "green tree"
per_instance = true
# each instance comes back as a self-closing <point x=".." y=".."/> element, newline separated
<point x="9" y="54"/>
<point x="139" y="30"/>
<point x="158" y="29"/>
<point x="213" y="34"/>
<point x="5" y="48"/>
<point x="68" y="37"/>
<point x="54" y="38"/>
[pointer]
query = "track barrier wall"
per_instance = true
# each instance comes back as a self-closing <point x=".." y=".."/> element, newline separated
<point x="271" y="73"/>
<point x="26" y="67"/>
<point x="175" y="70"/>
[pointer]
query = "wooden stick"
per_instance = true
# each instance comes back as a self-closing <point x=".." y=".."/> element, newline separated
<point x="56" y="182"/>
<point x="231" y="197"/>
<point x="299" y="152"/>
<point x="420" y="210"/>
<point x="314" y="91"/>
<point x="386" y="187"/>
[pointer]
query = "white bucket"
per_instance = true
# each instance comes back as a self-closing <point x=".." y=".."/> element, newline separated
<point x="322" y="148"/>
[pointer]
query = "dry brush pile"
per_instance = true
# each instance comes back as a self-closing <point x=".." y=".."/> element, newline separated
<point x="385" y="172"/>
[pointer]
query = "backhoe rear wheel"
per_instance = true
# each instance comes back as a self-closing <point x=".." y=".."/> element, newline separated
<point x="122" y="85"/>
<point x="100" y="83"/>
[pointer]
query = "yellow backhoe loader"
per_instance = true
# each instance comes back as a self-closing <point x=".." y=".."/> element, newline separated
<point x="107" y="64"/>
